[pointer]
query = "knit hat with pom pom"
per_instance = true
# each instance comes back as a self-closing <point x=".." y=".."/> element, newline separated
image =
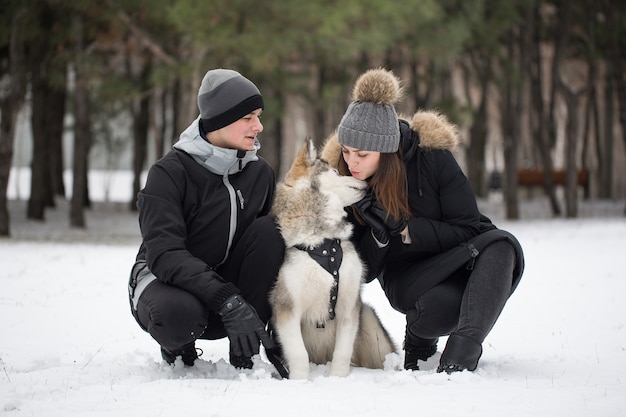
<point x="370" y="122"/>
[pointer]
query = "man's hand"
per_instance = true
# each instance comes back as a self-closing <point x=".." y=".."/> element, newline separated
<point x="243" y="327"/>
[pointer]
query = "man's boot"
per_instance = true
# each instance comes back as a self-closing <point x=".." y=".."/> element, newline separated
<point x="188" y="353"/>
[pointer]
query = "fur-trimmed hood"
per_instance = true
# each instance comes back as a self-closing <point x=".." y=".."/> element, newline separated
<point x="433" y="131"/>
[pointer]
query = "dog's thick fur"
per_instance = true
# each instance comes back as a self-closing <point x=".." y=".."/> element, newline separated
<point x="309" y="208"/>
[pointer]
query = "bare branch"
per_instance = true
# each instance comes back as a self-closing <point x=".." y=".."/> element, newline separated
<point x="146" y="39"/>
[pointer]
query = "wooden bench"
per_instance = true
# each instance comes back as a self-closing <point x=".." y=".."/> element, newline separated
<point x="534" y="177"/>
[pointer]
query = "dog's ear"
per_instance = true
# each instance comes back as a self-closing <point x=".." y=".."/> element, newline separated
<point x="300" y="166"/>
<point x="331" y="150"/>
<point x="312" y="152"/>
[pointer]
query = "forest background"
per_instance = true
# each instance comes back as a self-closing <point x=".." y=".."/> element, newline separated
<point x="537" y="87"/>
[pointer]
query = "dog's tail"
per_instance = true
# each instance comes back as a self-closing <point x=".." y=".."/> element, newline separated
<point x="373" y="342"/>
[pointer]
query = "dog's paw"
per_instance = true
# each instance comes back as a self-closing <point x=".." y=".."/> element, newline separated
<point x="339" y="370"/>
<point x="299" y="373"/>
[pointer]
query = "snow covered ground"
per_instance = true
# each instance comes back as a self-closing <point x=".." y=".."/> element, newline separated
<point x="69" y="346"/>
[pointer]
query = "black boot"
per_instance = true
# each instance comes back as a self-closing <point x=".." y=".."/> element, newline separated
<point x="460" y="353"/>
<point x="421" y="350"/>
<point x="188" y="354"/>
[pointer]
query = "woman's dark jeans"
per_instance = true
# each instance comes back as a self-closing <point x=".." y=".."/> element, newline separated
<point x="468" y="302"/>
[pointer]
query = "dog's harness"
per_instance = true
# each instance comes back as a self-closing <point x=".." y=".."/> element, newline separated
<point x="329" y="256"/>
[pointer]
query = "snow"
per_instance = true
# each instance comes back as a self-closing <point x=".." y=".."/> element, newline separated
<point x="70" y="347"/>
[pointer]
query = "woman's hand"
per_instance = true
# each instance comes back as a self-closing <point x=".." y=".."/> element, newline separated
<point x="395" y="226"/>
<point x="364" y="208"/>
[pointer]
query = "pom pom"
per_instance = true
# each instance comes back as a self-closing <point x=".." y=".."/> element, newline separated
<point x="377" y="86"/>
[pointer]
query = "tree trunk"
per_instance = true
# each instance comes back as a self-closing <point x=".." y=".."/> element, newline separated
<point x="603" y="189"/>
<point x="82" y="131"/>
<point x="560" y="42"/>
<point x="479" y="67"/>
<point x="9" y="108"/>
<point x="40" y="191"/>
<point x="571" y="143"/>
<point x="617" y="56"/>
<point x="141" y="124"/>
<point x="591" y="130"/>
<point x="542" y="135"/>
<point x="175" y="103"/>
<point x="571" y="95"/>
<point x="510" y="132"/>
<point x="55" y="117"/>
<point x="141" y="117"/>
<point x="48" y="112"/>
<point x="160" y="125"/>
<point x="318" y="109"/>
<point x="606" y="140"/>
<point x="478" y="143"/>
<point x="10" y="104"/>
<point x="48" y="76"/>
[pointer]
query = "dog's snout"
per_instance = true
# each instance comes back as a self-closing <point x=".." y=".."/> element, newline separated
<point x="358" y="184"/>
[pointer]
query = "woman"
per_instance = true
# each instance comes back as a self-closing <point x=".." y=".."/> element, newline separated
<point x="210" y="253"/>
<point x="439" y="260"/>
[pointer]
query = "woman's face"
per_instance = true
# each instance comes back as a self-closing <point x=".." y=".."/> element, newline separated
<point x="240" y="134"/>
<point x="362" y="164"/>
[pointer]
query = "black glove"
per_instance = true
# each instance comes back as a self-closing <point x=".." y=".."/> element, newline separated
<point x="395" y="226"/>
<point x="364" y="208"/>
<point x="244" y="330"/>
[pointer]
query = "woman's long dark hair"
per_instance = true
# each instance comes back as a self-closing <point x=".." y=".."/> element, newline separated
<point x="389" y="183"/>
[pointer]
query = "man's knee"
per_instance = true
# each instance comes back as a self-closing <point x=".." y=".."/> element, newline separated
<point x="172" y="316"/>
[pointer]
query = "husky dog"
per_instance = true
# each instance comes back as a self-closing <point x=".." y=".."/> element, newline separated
<point x="318" y="315"/>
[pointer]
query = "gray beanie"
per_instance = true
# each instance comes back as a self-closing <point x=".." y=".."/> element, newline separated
<point x="224" y="97"/>
<point x="370" y="122"/>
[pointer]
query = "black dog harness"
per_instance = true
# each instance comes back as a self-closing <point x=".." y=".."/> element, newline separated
<point x="329" y="256"/>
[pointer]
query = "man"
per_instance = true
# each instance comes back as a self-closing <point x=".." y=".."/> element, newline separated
<point x="209" y="254"/>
